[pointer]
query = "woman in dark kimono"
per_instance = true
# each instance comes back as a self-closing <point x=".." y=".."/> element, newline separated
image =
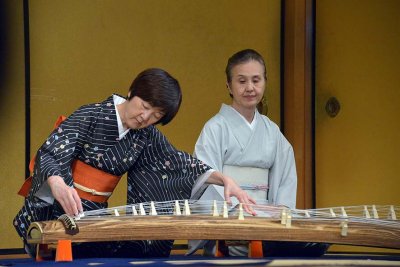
<point x="106" y="140"/>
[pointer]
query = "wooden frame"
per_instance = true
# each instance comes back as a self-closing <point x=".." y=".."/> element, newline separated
<point x="297" y="92"/>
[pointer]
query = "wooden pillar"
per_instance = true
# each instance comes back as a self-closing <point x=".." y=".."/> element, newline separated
<point x="297" y="94"/>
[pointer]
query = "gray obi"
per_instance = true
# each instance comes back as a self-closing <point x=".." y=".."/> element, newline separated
<point x="253" y="180"/>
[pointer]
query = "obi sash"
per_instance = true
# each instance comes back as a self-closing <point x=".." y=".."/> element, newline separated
<point x="251" y="179"/>
<point x="90" y="183"/>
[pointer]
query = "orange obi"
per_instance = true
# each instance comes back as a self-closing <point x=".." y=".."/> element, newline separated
<point x="90" y="183"/>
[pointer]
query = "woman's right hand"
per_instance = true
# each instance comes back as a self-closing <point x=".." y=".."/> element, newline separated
<point x="65" y="195"/>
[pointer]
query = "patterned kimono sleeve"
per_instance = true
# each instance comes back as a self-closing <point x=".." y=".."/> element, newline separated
<point x="58" y="151"/>
<point x="162" y="173"/>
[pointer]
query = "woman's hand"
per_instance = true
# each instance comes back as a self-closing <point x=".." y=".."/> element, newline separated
<point x="65" y="195"/>
<point x="231" y="188"/>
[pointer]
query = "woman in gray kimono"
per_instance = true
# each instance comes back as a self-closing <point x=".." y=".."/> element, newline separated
<point x="106" y="140"/>
<point x="248" y="146"/>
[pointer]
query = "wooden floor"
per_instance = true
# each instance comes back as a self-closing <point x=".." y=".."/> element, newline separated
<point x="14" y="256"/>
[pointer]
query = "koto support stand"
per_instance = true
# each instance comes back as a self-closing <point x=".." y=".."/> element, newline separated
<point x="63" y="251"/>
<point x="255" y="248"/>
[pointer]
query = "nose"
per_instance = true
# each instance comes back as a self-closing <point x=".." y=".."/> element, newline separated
<point x="146" y="115"/>
<point x="249" y="86"/>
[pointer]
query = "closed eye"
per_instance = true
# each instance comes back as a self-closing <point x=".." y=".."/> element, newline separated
<point x="145" y="106"/>
<point x="256" y="79"/>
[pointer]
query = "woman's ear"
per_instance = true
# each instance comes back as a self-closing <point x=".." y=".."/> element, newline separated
<point x="229" y="88"/>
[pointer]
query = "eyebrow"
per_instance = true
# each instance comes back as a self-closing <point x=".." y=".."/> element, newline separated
<point x="252" y="76"/>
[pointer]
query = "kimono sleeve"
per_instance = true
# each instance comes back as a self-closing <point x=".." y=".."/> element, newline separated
<point x="209" y="145"/>
<point x="283" y="177"/>
<point x="162" y="173"/>
<point x="58" y="151"/>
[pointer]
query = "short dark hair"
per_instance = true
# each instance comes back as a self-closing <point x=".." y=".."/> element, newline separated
<point x="241" y="57"/>
<point x="159" y="89"/>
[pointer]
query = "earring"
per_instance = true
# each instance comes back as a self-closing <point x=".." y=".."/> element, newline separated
<point x="262" y="106"/>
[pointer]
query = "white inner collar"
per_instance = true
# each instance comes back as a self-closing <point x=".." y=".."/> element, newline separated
<point x="121" y="131"/>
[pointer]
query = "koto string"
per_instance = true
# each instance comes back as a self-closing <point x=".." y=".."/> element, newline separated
<point x="384" y="213"/>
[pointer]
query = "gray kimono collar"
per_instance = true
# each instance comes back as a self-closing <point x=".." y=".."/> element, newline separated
<point x="237" y="124"/>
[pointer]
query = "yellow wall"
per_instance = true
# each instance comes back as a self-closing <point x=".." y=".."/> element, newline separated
<point x="12" y="119"/>
<point x="357" y="62"/>
<point x="357" y="152"/>
<point x="84" y="50"/>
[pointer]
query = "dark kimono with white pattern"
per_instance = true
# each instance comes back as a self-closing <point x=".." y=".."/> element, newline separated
<point x="156" y="172"/>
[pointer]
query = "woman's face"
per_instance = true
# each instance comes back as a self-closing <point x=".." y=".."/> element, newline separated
<point x="137" y="113"/>
<point x="247" y="85"/>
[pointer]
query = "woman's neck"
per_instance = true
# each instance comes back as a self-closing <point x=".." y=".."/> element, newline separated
<point x="247" y="113"/>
